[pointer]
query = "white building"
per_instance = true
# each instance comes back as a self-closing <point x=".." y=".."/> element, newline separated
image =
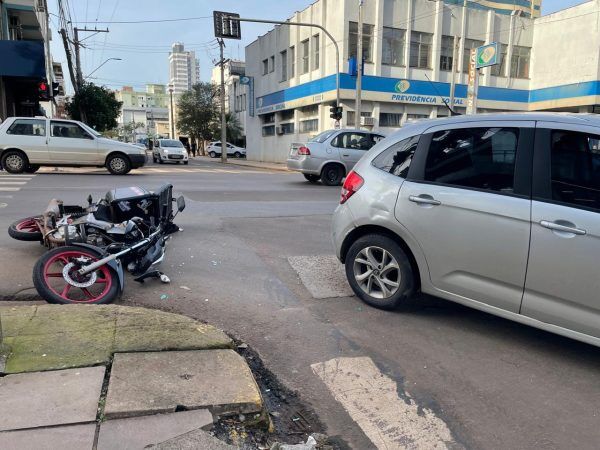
<point x="236" y="93"/>
<point x="184" y="68"/>
<point x="546" y="63"/>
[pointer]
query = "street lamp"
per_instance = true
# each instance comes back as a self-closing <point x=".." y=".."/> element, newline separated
<point x="172" y="112"/>
<point x="109" y="59"/>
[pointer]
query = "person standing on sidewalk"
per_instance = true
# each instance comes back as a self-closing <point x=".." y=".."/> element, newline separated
<point x="194" y="147"/>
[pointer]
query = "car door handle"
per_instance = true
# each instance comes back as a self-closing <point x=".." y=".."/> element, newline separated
<point x="567" y="227"/>
<point x="345" y="154"/>
<point x="424" y="200"/>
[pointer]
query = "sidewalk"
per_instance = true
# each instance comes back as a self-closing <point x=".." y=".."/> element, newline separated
<point x="85" y="377"/>
<point x="244" y="162"/>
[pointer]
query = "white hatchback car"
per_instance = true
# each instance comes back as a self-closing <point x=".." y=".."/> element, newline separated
<point x="26" y="143"/>
<point x="169" y="150"/>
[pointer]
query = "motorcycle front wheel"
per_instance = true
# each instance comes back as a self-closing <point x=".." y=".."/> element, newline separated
<point x="56" y="279"/>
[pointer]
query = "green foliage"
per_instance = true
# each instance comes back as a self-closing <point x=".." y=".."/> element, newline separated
<point x="95" y="105"/>
<point x="232" y="125"/>
<point x="197" y="111"/>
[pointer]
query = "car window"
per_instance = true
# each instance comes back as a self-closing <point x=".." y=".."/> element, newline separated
<point x="322" y="137"/>
<point x="28" y="127"/>
<point x="377" y="138"/>
<point x="396" y="159"/>
<point x="68" y="130"/>
<point x="575" y="165"/>
<point x="171" y="143"/>
<point x="353" y="141"/>
<point x="481" y="158"/>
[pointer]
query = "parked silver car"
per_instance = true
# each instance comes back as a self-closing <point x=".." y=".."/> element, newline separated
<point x="497" y="212"/>
<point x="329" y="156"/>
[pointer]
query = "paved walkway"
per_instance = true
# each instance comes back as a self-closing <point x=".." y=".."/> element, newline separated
<point x="110" y="376"/>
<point x="247" y="163"/>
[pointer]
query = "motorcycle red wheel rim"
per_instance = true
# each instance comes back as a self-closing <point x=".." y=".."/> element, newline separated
<point x="55" y="281"/>
<point x="28" y="226"/>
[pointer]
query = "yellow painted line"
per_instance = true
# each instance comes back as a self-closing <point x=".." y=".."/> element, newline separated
<point x="372" y="400"/>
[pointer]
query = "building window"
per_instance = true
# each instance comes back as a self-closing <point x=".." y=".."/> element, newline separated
<point x="416" y="117"/>
<point x="283" y="65"/>
<point x="292" y="62"/>
<point x="317" y="51"/>
<point x="272" y="64"/>
<point x="390" y="120"/>
<point x="268" y="130"/>
<point x="469" y="45"/>
<point x="286" y="115"/>
<point x="367" y="41"/>
<point x="305" y="56"/>
<point x="420" y="50"/>
<point x="268" y="118"/>
<point x="519" y="63"/>
<point x="287" y="128"/>
<point x="265" y="65"/>
<point x="394" y="40"/>
<point x="310" y="110"/>
<point x="446" y="53"/>
<point x="499" y="70"/>
<point x="308" y="126"/>
<point x="350" y="117"/>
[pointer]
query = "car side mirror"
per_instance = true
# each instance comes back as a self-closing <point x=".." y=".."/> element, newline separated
<point x="180" y="203"/>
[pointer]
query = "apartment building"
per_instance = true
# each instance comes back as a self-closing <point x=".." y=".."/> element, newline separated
<point x="149" y="108"/>
<point x="184" y="68"/>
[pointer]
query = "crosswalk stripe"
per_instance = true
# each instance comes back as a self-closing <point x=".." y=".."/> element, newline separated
<point x="13" y="182"/>
<point x="6" y="196"/>
<point x="372" y="400"/>
<point x="9" y="189"/>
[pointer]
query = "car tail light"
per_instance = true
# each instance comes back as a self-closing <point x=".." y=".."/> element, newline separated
<point x="352" y="184"/>
<point x="303" y="151"/>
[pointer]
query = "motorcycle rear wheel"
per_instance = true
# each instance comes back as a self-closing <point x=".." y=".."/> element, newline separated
<point x="25" y="230"/>
<point x="56" y="280"/>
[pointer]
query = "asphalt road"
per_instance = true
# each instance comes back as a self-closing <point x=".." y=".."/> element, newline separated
<point x="438" y="375"/>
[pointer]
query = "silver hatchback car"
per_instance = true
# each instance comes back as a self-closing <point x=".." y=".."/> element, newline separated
<point x="497" y="212"/>
<point x="330" y="155"/>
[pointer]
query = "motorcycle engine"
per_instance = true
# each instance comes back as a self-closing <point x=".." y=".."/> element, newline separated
<point x="96" y="239"/>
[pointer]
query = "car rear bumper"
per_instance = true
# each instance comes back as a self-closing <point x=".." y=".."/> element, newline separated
<point x="137" y="160"/>
<point x="342" y="224"/>
<point x="304" y="165"/>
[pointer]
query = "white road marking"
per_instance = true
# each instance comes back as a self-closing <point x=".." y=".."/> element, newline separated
<point x="6" y="196"/>
<point x="322" y="275"/>
<point x="12" y="182"/>
<point x="372" y="400"/>
<point x="9" y="189"/>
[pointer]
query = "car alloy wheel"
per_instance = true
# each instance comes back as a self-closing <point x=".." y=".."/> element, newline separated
<point x="14" y="163"/>
<point x="377" y="272"/>
<point x="117" y="165"/>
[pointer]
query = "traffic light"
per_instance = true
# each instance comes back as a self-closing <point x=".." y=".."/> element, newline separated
<point x="43" y="90"/>
<point x="335" y="112"/>
<point x="55" y="89"/>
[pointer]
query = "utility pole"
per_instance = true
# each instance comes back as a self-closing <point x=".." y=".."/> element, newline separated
<point x="65" y="39"/>
<point x="359" y="60"/>
<point x="77" y="45"/>
<point x="453" y="75"/>
<point x="171" y="87"/>
<point x="223" y="117"/>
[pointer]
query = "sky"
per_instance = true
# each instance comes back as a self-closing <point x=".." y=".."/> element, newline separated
<point x="144" y="48"/>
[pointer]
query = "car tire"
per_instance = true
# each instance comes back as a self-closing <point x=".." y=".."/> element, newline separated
<point x="32" y="168"/>
<point x="398" y="279"/>
<point x="118" y="164"/>
<point x="14" y="161"/>
<point x="311" y="178"/>
<point x="237" y="155"/>
<point x="212" y="154"/>
<point x="332" y="175"/>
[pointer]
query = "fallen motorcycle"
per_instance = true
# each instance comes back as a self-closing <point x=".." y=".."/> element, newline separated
<point x="99" y="224"/>
<point x="84" y="273"/>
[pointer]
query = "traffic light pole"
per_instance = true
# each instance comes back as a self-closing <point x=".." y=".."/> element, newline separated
<point x="223" y="115"/>
<point x="304" y="24"/>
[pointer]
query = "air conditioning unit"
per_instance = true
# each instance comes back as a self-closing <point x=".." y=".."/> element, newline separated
<point x="279" y="130"/>
<point x="367" y="121"/>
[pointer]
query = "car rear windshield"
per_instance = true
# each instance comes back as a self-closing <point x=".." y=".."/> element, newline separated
<point x="322" y="137"/>
<point x="171" y="143"/>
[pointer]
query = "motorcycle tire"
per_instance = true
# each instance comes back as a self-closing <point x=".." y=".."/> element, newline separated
<point x="56" y="286"/>
<point x="25" y="230"/>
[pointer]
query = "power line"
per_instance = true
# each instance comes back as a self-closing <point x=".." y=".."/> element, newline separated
<point x="148" y="21"/>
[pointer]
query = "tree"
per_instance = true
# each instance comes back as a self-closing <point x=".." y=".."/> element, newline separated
<point x="232" y="125"/>
<point x="97" y="105"/>
<point x="196" y="111"/>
